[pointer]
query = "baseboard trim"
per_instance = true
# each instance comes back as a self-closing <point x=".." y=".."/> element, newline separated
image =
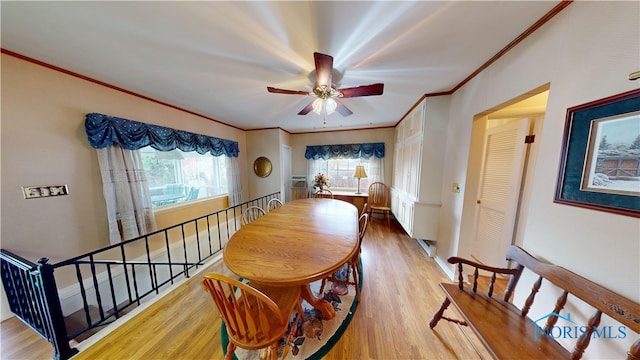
<point x="444" y="267"/>
<point x="428" y="246"/>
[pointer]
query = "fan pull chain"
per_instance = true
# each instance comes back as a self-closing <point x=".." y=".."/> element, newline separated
<point x="324" y="123"/>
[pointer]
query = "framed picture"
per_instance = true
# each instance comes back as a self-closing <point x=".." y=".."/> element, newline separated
<point x="32" y="192"/>
<point x="600" y="163"/>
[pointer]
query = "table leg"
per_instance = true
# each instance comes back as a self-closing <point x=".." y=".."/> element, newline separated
<point x="325" y="307"/>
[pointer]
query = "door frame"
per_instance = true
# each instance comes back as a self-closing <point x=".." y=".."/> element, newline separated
<point x="474" y="164"/>
<point x="285" y="180"/>
<point x="493" y="248"/>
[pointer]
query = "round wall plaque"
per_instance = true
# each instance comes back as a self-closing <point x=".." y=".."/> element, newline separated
<point x="262" y="166"/>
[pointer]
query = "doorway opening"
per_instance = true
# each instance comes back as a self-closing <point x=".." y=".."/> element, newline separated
<point x="501" y="160"/>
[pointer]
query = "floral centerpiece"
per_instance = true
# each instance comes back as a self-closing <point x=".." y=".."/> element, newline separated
<point x="321" y="181"/>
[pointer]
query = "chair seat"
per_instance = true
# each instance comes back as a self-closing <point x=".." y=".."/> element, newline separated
<point x="381" y="208"/>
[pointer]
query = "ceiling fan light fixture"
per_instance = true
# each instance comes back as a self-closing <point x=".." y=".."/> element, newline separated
<point x="330" y="106"/>
<point x="317" y="106"/>
<point x="326" y="93"/>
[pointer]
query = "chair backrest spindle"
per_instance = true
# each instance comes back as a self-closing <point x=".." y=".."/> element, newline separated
<point x="378" y="194"/>
<point x="251" y="213"/>
<point x="323" y="194"/>
<point x="274" y="204"/>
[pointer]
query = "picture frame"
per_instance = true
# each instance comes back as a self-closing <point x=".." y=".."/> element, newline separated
<point x="600" y="159"/>
<point x="42" y="191"/>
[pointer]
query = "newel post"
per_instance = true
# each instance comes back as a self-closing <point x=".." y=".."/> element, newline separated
<point x="55" y="318"/>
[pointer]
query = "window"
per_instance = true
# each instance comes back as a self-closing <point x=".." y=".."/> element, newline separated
<point x="340" y="172"/>
<point x="338" y="163"/>
<point x="177" y="176"/>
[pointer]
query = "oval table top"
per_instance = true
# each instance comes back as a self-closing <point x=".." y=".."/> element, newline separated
<point x="300" y="242"/>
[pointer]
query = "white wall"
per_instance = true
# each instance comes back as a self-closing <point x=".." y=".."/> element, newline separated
<point x="264" y="143"/>
<point x="586" y="52"/>
<point x="584" y="58"/>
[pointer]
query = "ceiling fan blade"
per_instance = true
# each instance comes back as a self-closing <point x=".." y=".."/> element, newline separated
<point x="343" y="109"/>
<point x="324" y="69"/>
<point x="365" y="90"/>
<point x="307" y="109"/>
<point x="288" y="92"/>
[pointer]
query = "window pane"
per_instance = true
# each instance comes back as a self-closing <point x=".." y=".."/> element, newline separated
<point x="340" y="173"/>
<point x="176" y="176"/>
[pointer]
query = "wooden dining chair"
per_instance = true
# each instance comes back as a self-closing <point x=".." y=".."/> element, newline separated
<point x="251" y="213"/>
<point x="300" y="190"/>
<point x="273" y="204"/>
<point x="255" y="317"/>
<point x="323" y="194"/>
<point x="353" y="264"/>
<point x="379" y="200"/>
<point x="365" y="208"/>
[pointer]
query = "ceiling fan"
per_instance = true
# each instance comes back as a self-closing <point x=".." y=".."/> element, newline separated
<point x="326" y="93"/>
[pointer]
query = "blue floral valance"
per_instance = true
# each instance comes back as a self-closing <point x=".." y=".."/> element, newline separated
<point x="104" y="130"/>
<point x="348" y="151"/>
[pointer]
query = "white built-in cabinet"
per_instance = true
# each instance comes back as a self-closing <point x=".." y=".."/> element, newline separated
<point x="418" y="164"/>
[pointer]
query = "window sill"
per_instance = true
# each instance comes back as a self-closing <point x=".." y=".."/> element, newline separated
<point x="186" y="204"/>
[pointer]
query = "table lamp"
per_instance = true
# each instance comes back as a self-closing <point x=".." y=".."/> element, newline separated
<point x="359" y="173"/>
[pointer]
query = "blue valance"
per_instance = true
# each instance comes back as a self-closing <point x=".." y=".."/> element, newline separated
<point x="347" y="151"/>
<point x="104" y="130"/>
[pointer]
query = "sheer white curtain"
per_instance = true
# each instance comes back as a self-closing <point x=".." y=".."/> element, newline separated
<point x="234" y="184"/>
<point x="313" y="168"/>
<point x="126" y="193"/>
<point x="376" y="169"/>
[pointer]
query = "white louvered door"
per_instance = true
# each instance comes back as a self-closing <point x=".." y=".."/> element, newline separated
<point x="498" y="193"/>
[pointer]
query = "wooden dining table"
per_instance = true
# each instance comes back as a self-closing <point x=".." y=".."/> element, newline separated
<point x="296" y="244"/>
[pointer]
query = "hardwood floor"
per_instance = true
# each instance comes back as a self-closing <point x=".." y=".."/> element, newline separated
<point x="400" y="294"/>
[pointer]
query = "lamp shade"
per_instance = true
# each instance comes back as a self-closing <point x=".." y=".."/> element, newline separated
<point x="359" y="172"/>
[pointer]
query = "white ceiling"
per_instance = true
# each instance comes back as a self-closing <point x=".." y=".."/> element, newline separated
<point x="217" y="58"/>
